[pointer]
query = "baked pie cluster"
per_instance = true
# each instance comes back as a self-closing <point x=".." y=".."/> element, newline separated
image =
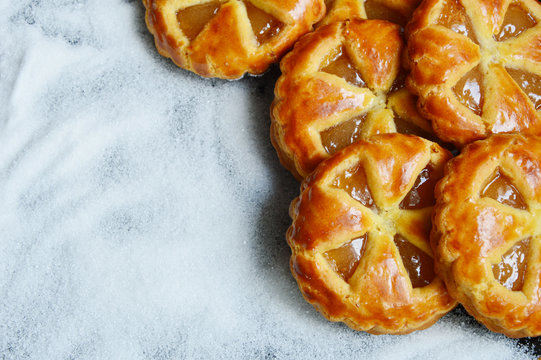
<point x="389" y="231"/>
<point x="339" y="106"/>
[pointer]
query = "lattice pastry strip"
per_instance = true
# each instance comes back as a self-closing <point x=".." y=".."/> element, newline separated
<point x="340" y="84"/>
<point x="225" y="39"/>
<point x="360" y="235"/>
<point x="491" y="263"/>
<point x="476" y="66"/>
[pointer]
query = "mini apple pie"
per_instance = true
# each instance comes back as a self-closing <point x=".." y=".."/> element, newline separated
<point x="360" y="235"/>
<point x="487" y="233"/>
<point x="396" y="11"/>
<point x="476" y="66"/>
<point x="341" y="83"/>
<point x="227" y="38"/>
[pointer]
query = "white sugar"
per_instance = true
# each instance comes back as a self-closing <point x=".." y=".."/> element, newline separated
<point x="143" y="209"/>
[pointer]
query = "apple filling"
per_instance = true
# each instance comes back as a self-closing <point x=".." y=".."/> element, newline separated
<point x="421" y="194"/>
<point x="516" y="21"/>
<point x="341" y="135"/>
<point x="345" y="259"/>
<point x="376" y="10"/>
<point x="500" y="188"/>
<point x="418" y="264"/>
<point x="529" y="83"/>
<point x="511" y="270"/>
<point x="469" y="90"/>
<point x="454" y="17"/>
<point x="340" y="65"/>
<point x="354" y="182"/>
<point x="264" y="25"/>
<point x="193" y="19"/>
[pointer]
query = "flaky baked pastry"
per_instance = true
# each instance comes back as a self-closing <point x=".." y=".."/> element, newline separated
<point x="360" y="235"/>
<point x="396" y="11"/>
<point x="341" y="83"/>
<point x="228" y="38"/>
<point x="476" y="66"/>
<point x="486" y="235"/>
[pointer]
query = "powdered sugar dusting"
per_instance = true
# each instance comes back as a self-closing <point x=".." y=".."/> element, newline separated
<point x="143" y="210"/>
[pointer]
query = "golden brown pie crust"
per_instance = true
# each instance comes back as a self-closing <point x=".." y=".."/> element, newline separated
<point x="227" y="47"/>
<point x="471" y="231"/>
<point x="456" y="51"/>
<point x="378" y="296"/>
<point x="309" y="100"/>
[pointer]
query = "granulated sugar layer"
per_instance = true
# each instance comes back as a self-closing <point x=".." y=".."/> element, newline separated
<point x="143" y="209"/>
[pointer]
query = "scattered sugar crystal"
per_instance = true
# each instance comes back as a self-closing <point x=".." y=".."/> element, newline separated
<point x="143" y="209"/>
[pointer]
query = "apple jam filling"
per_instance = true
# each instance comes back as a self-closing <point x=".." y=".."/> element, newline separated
<point x="404" y="126"/>
<point x="354" y="182"/>
<point x="516" y="21"/>
<point x="453" y="16"/>
<point x="511" y="270"/>
<point x="529" y="83"/>
<point x="418" y="264"/>
<point x="421" y="194"/>
<point x="340" y="65"/>
<point x="345" y="259"/>
<point x="399" y="82"/>
<point x="341" y="135"/>
<point x="500" y="188"/>
<point x="469" y="90"/>
<point x="264" y="25"/>
<point x="376" y="10"/>
<point x="193" y="19"/>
